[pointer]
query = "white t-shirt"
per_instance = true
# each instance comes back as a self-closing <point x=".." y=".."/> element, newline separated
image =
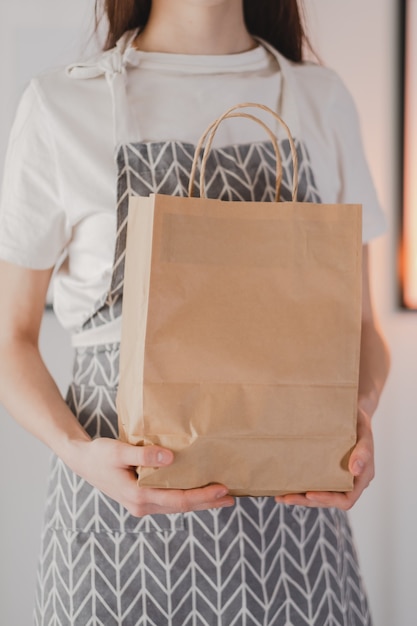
<point x="58" y="201"/>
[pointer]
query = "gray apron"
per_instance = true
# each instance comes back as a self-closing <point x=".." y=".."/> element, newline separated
<point x="257" y="563"/>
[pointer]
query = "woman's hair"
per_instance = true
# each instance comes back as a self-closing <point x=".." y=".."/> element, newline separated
<point x="276" y="21"/>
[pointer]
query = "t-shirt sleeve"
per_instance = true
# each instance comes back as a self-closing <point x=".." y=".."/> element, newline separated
<point x="356" y="185"/>
<point x="34" y="228"/>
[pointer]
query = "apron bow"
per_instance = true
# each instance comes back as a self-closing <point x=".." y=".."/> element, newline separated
<point x="112" y="65"/>
<point x="109" y="63"/>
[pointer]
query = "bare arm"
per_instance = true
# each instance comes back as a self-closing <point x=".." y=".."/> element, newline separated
<point x="374" y="367"/>
<point x="29" y="393"/>
<point x="26" y="388"/>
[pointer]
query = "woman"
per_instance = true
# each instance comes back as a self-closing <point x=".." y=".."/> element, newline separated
<point x="113" y="553"/>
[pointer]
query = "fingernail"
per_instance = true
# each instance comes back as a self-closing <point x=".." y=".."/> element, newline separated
<point x="358" y="467"/>
<point x="227" y="502"/>
<point x="163" y="457"/>
<point x="222" y="493"/>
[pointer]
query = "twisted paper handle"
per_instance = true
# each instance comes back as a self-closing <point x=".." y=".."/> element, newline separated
<point x="210" y="134"/>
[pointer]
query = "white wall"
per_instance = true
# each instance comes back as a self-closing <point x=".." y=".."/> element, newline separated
<point x="359" y="40"/>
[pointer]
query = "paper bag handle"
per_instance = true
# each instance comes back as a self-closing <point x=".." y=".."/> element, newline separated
<point x="211" y="131"/>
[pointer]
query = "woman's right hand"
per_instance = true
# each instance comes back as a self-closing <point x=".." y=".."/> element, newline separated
<point x="110" y="465"/>
<point x="29" y="393"/>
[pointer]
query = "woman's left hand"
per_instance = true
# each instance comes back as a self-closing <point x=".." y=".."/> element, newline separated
<point x="361" y="465"/>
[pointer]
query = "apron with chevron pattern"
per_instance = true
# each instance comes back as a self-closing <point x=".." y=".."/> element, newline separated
<point x="257" y="563"/>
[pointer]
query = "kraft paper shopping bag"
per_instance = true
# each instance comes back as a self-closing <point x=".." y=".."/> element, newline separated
<point x="241" y="336"/>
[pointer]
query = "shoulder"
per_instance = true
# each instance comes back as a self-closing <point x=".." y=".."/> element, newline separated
<point x="65" y="83"/>
<point x="321" y="87"/>
<point x="325" y="105"/>
<point x="67" y="100"/>
<point x="319" y="90"/>
<point x="87" y="75"/>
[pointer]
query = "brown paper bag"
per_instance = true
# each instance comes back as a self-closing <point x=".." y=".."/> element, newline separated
<point x="240" y="339"/>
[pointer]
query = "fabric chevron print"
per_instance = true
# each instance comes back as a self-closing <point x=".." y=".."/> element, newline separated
<point x="241" y="172"/>
<point x="256" y="564"/>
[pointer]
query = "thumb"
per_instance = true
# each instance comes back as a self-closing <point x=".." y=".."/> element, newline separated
<point x="356" y="465"/>
<point x="359" y="458"/>
<point x="144" y="456"/>
<point x="363" y="453"/>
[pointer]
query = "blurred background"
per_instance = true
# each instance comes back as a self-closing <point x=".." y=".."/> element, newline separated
<point x="362" y="42"/>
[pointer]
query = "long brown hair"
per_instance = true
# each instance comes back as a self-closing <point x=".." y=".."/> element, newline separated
<point x="277" y="21"/>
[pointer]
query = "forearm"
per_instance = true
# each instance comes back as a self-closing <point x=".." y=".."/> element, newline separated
<point x="30" y="395"/>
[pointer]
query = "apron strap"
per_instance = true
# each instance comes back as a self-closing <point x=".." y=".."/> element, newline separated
<point x="287" y="106"/>
<point x="113" y="64"/>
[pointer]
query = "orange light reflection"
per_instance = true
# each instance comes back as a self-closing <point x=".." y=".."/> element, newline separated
<point x="409" y="234"/>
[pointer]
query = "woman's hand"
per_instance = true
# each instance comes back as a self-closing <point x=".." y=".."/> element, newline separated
<point x="29" y="393"/>
<point x="373" y="371"/>
<point x="361" y="465"/>
<point x="110" y="466"/>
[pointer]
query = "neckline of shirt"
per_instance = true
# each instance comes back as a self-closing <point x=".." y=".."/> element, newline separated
<point x="257" y="59"/>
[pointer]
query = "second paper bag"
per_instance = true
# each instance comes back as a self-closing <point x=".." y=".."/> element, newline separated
<point x="240" y="341"/>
